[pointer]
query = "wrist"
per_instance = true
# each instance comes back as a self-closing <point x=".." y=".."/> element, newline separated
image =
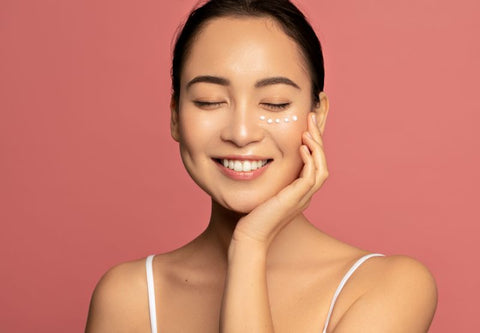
<point x="251" y="248"/>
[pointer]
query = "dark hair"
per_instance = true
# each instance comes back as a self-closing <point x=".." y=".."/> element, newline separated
<point x="289" y="17"/>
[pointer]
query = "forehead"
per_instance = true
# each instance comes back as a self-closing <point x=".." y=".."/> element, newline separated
<point x="244" y="46"/>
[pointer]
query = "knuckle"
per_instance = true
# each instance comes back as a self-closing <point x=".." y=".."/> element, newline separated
<point x="310" y="182"/>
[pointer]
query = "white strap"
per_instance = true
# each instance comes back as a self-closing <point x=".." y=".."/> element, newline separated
<point x="151" y="294"/>
<point x="342" y="283"/>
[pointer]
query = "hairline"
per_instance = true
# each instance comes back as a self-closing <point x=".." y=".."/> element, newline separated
<point x="245" y="15"/>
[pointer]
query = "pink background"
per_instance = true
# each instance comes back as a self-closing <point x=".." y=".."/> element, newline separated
<point x="89" y="176"/>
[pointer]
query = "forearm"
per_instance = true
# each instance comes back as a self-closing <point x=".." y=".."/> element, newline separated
<point x="245" y="306"/>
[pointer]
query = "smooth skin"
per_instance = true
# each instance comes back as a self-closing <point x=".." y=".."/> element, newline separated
<point x="260" y="266"/>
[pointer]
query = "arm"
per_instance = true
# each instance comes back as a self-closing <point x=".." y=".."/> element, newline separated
<point x="245" y="306"/>
<point x="245" y="302"/>
<point x="403" y="301"/>
<point x="118" y="303"/>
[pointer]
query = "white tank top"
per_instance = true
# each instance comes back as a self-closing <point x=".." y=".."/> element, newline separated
<point x="151" y="289"/>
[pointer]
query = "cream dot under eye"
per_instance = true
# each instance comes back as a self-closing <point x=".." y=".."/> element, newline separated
<point x="279" y="120"/>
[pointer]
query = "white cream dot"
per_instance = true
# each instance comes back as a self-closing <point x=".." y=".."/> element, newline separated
<point x="262" y="117"/>
<point x="269" y="121"/>
<point x="286" y="120"/>
<point x="294" y="118"/>
<point x="277" y="121"/>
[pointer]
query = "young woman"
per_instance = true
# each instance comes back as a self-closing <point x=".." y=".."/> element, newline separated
<point x="248" y="111"/>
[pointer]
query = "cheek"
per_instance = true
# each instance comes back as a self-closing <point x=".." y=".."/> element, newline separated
<point x="286" y="130"/>
<point x="193" y="130"/>
<point x="288" y="138"/>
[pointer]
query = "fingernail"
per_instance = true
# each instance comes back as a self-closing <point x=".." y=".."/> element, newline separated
<point x="314" y="118"/>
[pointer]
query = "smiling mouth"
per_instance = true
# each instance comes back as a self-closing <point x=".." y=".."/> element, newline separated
<point x="242" y="165"/>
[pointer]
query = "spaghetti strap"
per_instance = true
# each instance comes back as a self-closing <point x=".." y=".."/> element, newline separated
<point x="151" y="289"/>
<point x="151" y="293"/>
<point x="342" y="283"/>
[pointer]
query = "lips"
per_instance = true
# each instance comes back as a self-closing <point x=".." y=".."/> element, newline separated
<point x="242" y="168"/>
<point x="243" y="165"/>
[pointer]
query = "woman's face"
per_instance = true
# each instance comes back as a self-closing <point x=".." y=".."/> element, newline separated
<point x="244" y="98"/>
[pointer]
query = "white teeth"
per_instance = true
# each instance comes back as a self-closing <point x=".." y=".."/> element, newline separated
<point x="243" y="166"/>
<point x="237" y="166"/>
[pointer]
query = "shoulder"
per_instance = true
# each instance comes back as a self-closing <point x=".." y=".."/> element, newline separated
<point x="401" y="298"/>
<point x="404" y="275"/>
<point x="119" y="302"/>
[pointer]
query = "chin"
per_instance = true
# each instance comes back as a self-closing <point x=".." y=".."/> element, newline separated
<point x="241" y="209"/>
<point x="242" y="204"/>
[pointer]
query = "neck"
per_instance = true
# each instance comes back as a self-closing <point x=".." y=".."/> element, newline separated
<point x="221" y="226"/>
<point x="288" y="244"/>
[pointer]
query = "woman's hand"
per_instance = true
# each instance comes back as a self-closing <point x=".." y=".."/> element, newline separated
<point x="264" y="222"/>
<point x="245" y="304"/>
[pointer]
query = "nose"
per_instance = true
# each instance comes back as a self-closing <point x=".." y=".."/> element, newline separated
<point x="242" y="127"/>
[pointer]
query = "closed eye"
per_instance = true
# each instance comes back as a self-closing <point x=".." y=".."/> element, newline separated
<point x="276" y="107"/>
<point x="207" y="105"/>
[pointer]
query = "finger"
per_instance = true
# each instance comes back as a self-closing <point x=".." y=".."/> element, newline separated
<point x="289" y="202"/>
<point x="317" y="152"/>
<point x="308" y="163"/>
<point x="299" y="188"/>
<point x="319" y="159"/>
<point x="309" y="175"/>
<point x="295" y="194"/>
<point x="313" y="128"/>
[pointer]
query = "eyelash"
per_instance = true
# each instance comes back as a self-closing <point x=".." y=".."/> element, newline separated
<point x="207" y="105"/>
<point x="271" y="106"/>
<point x="281" y="106"/>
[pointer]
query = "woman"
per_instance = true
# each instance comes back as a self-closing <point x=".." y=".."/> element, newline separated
<point x="248" y="111"/>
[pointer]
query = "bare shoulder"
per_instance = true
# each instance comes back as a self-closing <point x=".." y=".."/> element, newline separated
<point x="402" y="298"/>
<point x="119" y="302"/>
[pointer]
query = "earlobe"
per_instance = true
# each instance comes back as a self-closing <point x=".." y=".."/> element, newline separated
<point x="174" y="128"/>
<point x="321" y="111"/>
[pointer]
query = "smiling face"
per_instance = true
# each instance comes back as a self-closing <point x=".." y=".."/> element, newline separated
<point x="244" y="98"/>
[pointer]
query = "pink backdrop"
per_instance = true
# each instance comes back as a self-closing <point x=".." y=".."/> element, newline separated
<point x="90" y="177"/>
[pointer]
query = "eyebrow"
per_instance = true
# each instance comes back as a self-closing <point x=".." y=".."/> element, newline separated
<point x="208" y="79"/>
<point x="259" y="84"/>
<point x="275" y="80"/>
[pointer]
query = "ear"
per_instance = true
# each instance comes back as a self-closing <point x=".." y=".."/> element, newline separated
<point x="321" y="111"/>
<point x="174" y="126"/>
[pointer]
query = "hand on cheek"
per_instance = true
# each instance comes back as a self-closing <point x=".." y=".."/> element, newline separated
<point x="263" y="223"/>
<point x="313" y="155"/>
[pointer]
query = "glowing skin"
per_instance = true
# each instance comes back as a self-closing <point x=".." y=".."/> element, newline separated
<point x="239" y="70"/>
